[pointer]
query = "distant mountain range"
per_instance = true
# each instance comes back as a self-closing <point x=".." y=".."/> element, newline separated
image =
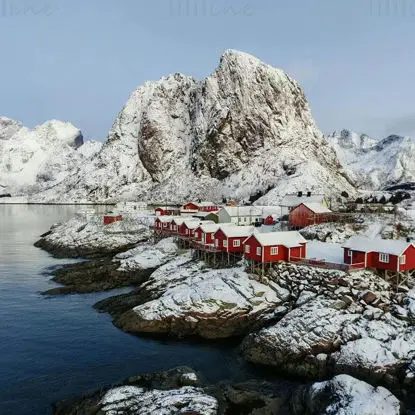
<point x="246" y="131"/>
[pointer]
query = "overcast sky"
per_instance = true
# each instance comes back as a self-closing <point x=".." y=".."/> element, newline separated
<point x="79" y="60"/>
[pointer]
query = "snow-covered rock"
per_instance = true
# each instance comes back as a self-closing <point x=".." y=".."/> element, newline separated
<point x="131" y="399"/>
<point x="245" y="129"/>
<point x="324" y="337"/>
<point x="87" y="236"/>
<point x="147" y="255"/>
<point x="32" y="160"/>
<point x="344" y="395"/>
<point x="211" y="303"/>
<point x="375" y="164"/>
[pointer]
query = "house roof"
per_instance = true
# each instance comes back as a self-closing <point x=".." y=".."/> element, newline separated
<point x="203" y="214"/>
<point x="235" y="211"/>
<point x="167" y="218"/>
<point x="385" y="246"/>
<point x="179" y="220"/>
<point x="205" y="203"/>
<point x="237" y="231"/>
<point x="196" y="223"/>
<point x="295" y="200"/>
<point x="211" y="227"/>
<point x="289" y="239"/>
<point x="316" y="207"/>
<point x="167" y="208"/>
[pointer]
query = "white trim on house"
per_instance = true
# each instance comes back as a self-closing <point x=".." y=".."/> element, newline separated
<point x="384" y="258"/>
<point x="274" y="250"/>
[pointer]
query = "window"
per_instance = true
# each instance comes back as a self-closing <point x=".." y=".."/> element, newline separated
<point x="247" y="249"/>
<point x="402" y="260"/>
<point x="236" y="243"/>
<point x="384" y="258"/>
<point x="259" y="251"/>
<point x="225" y="244"/>
<point x="274" y="250"/>
<point x="164" y="225"/>
<point x="187" y="231"/>
<point x="216" y="242"/>
<point x="350" y="253"/>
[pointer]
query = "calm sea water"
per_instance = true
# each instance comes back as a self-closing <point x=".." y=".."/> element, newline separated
<point x="54" y="348"/>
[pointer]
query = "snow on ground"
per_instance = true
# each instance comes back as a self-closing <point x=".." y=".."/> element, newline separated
<point x="345" y="395"/>
<point x="131" y="399"/>
<point x="86" y="232"/>
<point x="147" y="255"/>
<point x="212" y="303"/>
<point x="329" y="252"/>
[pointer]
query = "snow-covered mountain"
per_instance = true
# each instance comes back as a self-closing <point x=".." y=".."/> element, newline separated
<point x="32" y="160"/>
<point x="245" y="129"/>
<point x="375" y="164"/>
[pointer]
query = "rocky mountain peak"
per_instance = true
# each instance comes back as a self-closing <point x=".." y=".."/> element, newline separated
<point x="242" y="131"/>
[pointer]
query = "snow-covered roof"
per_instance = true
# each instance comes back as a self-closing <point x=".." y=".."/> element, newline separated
<point x="316" y="207"/>
<point x="295" y="200"/>
<point x="203" y="214"/>
<point x="204" y="203"/>
<point x="195" y="223"/>
<point x="167" y="218"/>
<point x="167" y="208"/>
<point x="385" y="246"/>
<point x="289" y="239"/>
<point x="237" y="231"/>
<point x="181" y="219"/>
<point x="233" y="211"/>
<point x="209" y="228"/>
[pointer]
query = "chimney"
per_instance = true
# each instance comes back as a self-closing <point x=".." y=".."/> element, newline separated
<point x="300" y="194"/>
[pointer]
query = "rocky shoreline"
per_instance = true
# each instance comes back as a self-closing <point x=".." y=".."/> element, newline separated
<point x="181" y="391"/>
<point x="310" y="323"/>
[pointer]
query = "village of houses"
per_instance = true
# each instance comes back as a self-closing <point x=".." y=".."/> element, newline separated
<point x="265" y="235"/>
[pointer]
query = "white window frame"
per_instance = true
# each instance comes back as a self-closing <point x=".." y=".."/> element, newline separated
<point x="274" y="250"/>
<point x="236" y="243"/>
<point x="165" y="225"/>
<point x="225" y="243"/>
<point x="402" y="260"/>
<point x="259" y="250"/>
<point x="350" y="253"/>
<point x="384" y="258"/>
<point x="247" y="249"/>
<point x="187" y="231"/>
<point x="216" y="242"/>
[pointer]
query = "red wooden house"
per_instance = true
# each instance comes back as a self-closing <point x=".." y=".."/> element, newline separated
<point x="167" y="211"/>
<point x="199" y="207"/>
<point x="188" y="228"/>
<point x="275" y="246"/>
<point x="231" y="238"/>
<point x="307" y="214"/>
<point x="163" y="223"/>
<point x="383" y="254"/>
<point x="111" y="219"/>
<point x="204" y="233"/>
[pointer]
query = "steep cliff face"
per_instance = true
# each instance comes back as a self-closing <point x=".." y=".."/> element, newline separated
<point x="34" y="159"/>
<point x="375" y="164"/>
<point x="242" y="131"/>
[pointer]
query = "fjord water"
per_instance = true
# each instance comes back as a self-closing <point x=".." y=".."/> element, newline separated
<point x="54" y="348"/>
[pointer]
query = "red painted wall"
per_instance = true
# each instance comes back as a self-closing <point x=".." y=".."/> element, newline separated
<point x="410" y="259"/>
<point x="253" y="245"/>
<point x="392" y="265"/>
<point x="302" y="216"/>
<point x="190" y="206"/>
<point x="298" y="252"/>
<point x="220" y="236"/>
<point x="357" y="257"/>
<point x="112" y="219"/>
